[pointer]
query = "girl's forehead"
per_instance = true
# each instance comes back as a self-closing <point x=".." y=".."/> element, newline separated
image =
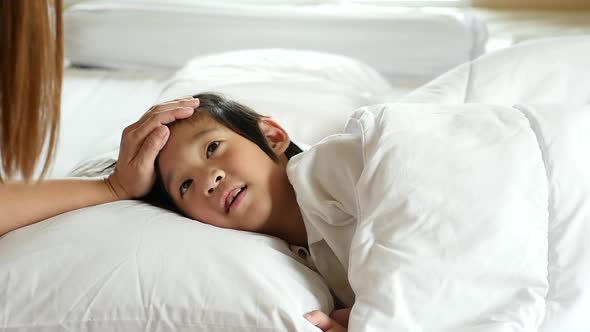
<point x="198" y="121"/>
<point x="183" y="129"/>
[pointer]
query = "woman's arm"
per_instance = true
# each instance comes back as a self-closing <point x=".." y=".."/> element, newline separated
<point x="22" y="204"/>
<point x="25" y="203"/>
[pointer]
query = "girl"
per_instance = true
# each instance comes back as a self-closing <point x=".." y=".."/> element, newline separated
<point x="230" y="167"/>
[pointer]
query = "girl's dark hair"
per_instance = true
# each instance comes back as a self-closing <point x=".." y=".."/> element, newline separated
<point x="235" y="116"/>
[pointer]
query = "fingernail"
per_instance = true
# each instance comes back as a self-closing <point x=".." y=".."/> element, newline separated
<point x="307" y="315"/>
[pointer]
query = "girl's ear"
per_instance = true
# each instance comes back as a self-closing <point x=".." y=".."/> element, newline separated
<point x="276" y="137"/>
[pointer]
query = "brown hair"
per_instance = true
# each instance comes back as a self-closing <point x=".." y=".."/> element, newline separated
<point x="31" y="63"/>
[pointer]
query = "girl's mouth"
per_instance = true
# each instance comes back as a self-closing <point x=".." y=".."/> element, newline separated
<point x="234" y="198"/>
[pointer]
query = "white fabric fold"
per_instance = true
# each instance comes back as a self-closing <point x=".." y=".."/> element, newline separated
<point x="470" y="217"/>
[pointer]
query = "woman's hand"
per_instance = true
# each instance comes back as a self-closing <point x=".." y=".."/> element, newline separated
<point x="336" y="322"/>
<point x="141" y="142"/>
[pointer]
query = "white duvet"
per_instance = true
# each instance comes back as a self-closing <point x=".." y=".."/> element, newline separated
<point x="472" y="217"/>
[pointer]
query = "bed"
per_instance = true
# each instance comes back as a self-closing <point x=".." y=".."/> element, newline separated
<point x="128" y="266"/>
<point x="401" y="43"/>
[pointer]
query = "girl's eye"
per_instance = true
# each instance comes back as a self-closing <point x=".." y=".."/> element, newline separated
<point x="185" y="186"/>
<point x="211" y="148"/>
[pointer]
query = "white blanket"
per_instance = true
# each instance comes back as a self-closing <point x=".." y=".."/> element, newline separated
<point x="472" y="217"/>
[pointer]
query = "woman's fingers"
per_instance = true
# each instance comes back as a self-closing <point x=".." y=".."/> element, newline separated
<point x="142" y="141"/>
<point x="160" y="118"/>
<point x="324" y="322"/>
<point x="151" y="147"/>
<point x="157" y="109"/>
<point x="166" y="106"/>
<point x="132" y="140"/>
<point x="134" y="172"/>
<point x="183" y="102"/>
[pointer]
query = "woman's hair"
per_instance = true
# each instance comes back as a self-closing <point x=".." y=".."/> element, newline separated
<point x="235" y="116"/>
<point x="31" y="63"/>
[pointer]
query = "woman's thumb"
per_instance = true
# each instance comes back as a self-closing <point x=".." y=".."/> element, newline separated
<point x="152" y="145"/>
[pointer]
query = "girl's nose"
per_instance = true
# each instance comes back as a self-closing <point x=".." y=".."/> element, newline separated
<point x="214" y="181"/>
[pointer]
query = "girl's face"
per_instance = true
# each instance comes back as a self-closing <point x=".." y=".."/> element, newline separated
<point x="218" y="177"/>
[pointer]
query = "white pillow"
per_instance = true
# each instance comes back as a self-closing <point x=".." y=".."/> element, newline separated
<point x="128" y="266"/>
<point x="402" y="43"/>
<point x="311" y="94"/>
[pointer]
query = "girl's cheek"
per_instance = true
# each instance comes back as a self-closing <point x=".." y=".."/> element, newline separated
<point x="202" y="213"/>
